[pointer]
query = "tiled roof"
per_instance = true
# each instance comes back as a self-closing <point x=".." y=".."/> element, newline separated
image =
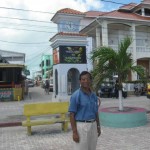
<point x="70" y="11"/>
<point x="125" y="15"/>
<point x="93" y="13"/>
<point x="128" y="6"/>
<point x="146" y="1"/>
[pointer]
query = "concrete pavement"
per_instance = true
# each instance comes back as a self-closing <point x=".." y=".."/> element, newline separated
<point x="50" y="137"/>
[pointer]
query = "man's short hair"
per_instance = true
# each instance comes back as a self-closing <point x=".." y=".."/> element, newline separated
<point x="84" y="73"/>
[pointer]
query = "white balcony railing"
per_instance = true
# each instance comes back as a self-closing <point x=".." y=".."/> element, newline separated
<point x="115" y="47"/>
<point x="130" y="49"/>
<point x="142" y="49"/>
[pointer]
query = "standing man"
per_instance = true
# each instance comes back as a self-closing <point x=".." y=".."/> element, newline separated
<point x="47" y="86"/>
<point x="84" y="116"/>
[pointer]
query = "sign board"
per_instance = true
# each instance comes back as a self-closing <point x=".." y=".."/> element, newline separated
<point x="56" y="56"/>
<point x="72" y="54"/>
<point x="69" y="55"/>
<point x="6" y="94"/>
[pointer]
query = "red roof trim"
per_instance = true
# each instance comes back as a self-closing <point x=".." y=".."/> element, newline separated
<point x="71" y="34"/>
<point x="68" y="34"/>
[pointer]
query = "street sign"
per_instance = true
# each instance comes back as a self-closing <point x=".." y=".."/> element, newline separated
<point x="6" y="94"/>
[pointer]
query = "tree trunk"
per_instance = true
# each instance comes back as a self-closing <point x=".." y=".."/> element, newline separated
<point x="120" y="101"/>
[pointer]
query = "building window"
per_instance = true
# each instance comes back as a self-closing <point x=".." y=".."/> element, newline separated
<point x="147" y="12"/>
<point x="47" y="62"/>
<point x="42" y="71"/>
<point x="139" y="12"/>
<point x="42" y="63"/>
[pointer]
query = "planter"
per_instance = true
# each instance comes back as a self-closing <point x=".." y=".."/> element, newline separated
<point x="130" y="117"/>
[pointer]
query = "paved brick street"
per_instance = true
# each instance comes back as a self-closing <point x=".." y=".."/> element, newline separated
<point x="50" y="137"/>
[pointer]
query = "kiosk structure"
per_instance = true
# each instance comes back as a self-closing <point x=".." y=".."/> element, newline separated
<point x="11" y="82"/>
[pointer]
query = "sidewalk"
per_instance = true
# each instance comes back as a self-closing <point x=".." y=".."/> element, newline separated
<point x="50" y="137"/>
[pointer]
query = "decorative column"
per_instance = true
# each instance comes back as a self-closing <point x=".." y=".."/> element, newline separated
<point x="98" y="38"/>
<point x="104" y="33"/>
<point x="143" y="12"/>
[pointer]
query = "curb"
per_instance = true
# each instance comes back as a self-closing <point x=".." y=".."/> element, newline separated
<point x="10" y="124"/>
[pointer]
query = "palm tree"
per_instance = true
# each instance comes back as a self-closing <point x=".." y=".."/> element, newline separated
<point x="108" y="61"/>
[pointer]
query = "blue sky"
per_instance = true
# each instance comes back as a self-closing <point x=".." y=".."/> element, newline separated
<point x="115" y="4"/>
<point x="108" y="5"/>
<point x="29" y="31"/>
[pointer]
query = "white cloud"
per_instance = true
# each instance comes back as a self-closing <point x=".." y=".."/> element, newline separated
<point x="96" y="4"/>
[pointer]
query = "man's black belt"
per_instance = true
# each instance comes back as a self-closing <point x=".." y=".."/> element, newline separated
<point x="86" y="121"/>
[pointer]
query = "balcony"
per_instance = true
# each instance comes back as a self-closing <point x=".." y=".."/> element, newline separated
<point x="141" y="51"/>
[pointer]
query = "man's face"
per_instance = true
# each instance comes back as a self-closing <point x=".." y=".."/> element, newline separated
<point x="85" y="81"/>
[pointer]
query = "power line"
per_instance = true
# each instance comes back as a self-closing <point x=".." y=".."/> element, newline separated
<point x="113" y="2"/>
<point x="19" y="9"/>
<point x="23" y="43"/>
<point x="32" y="20"/>
<point x="28" y="30"/>
<point x="40" y="53"/>
<point x="30" y="61"/>
<point x="30" y="25"/>
<point x="25" y="19"/>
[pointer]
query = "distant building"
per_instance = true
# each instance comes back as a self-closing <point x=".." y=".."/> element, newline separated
<point x="37" y="75"/>
<point x="46" y="65"/>
<point x="12" y="57"/>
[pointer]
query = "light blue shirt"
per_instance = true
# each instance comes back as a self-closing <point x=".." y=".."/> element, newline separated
<point x="83" y="105"/>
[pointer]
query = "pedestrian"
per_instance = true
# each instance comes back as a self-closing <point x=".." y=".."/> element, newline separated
<point x="84" y="116"/>
<point x="47" y="86"/>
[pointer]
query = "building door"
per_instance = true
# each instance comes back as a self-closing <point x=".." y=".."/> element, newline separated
<point x="72" y="80"/>
<point x="56" y="82"/>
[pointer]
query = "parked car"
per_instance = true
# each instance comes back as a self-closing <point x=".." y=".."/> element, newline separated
<point x="31" y="83"/>
<point x="106" y="90"/>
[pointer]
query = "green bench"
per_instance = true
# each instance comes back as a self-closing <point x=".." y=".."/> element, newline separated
<point x="35" y="114"/>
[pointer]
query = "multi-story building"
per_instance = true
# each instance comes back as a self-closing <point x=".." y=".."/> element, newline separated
<point x="110" y="28"/>
<point x="46" y="65"/>
<point x="94" y="29"/>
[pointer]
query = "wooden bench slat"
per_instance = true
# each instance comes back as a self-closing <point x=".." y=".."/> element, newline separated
<point x="45" y="108"/>
<point x="42" y="122"/>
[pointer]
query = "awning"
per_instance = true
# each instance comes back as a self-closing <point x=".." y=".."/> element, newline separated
<point x="3" y="65"/>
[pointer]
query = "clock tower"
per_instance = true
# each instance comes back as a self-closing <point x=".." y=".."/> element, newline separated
<point x="69" y="53"/>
